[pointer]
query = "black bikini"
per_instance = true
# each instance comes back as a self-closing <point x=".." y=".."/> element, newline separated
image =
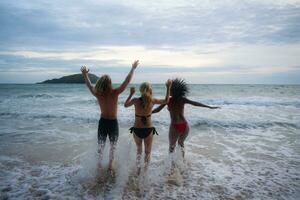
<point x="143" y="132"/>
<point x="143" y="118"/>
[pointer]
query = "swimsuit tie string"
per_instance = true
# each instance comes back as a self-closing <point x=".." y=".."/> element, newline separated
<point x="154" y="131"/>
<point x="131" y="130"/>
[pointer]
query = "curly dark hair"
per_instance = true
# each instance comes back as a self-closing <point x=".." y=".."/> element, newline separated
<point x="179" y="89"/>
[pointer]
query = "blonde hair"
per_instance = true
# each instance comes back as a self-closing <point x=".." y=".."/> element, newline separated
<point x="146" y="94"/>
<point x="103" y="85"/>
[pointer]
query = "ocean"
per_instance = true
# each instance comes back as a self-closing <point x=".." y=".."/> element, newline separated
<point x="248" y="149"/>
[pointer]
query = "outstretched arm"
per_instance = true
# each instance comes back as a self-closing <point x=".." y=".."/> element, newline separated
<point x="129" y="101"/>
<point x="194" y="103"/>
<point x="166" y="100"/>
<point x="85" y="71"/>
<point x="128" y="78"/>
<point x="159" y="108"/>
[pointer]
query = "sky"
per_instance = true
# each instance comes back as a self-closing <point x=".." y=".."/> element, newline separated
<point x="202" y="41"/>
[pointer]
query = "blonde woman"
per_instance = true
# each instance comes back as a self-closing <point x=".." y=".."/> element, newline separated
<point x="107" y="97"/>
<point x="143" y="129"/>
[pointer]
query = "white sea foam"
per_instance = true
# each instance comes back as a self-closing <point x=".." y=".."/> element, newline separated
<point x="249" y="149"/>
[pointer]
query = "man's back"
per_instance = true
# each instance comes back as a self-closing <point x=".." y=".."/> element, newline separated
<point x="108" y="101"/>
<point x="108" y="104"/>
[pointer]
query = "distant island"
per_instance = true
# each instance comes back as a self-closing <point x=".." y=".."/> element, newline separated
<point x="74" y="78"/>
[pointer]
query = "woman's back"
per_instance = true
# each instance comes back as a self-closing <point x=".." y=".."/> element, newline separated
<point x="143" y="114"/>
<point x="176" y="109"/>
<point x="144" y="104"/>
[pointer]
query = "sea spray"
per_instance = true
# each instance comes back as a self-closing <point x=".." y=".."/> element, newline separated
<point x="248" y="149"/>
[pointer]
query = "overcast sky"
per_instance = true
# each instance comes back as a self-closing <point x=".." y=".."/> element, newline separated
<point x="203" y="41"/>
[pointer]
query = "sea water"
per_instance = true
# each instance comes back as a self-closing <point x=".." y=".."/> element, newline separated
<point x="248" y="149"/>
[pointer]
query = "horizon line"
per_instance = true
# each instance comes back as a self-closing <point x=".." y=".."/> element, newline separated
<point x="290" y="84"/>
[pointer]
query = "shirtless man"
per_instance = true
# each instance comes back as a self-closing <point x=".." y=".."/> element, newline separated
<point x="107" y="97"/>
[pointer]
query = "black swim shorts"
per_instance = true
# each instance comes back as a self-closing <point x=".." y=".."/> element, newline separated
<point x="108" y="127"/>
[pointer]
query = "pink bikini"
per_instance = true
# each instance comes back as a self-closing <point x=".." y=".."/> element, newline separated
<point x="181" y="127"/>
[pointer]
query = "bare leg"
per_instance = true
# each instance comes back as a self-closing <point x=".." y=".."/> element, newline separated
<point x="148" y="146"/>
<point x="173" y="136"/>
<point x="139" y="149"/>
<point x="111" y="154"/>
<point x="181" y="140"/>
<point x="101" y="147"/>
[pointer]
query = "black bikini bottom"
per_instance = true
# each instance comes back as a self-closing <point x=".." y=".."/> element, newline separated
<point x="143" y="132"/>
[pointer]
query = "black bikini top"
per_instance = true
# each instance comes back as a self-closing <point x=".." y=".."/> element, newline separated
<point x="143" y="118"/>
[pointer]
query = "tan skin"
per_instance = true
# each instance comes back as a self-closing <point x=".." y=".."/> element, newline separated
<point x="176" y="111"/>
<point x="108" y="103"/>
<point x="141" y="111"/>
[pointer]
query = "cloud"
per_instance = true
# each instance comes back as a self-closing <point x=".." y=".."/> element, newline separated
<point x="189" y="56"/>
<point x="210" y="37"/>
<point x="75" y="23"/>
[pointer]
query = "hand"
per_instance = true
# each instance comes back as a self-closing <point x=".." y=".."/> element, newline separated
<point x="135" y="64"/>
<point x="216" y="107"/>
<point x="169" y="83"/>
<point x="84" y="70"/>
<point x="132" y="90"/>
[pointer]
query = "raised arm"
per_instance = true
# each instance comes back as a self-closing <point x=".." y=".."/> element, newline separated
<point x="166" y="99"/>
<point x="129" y="101"/>
<point x="194" y="103"/>
<point x="158" y="108"/>
<point x="85" y="72"/>
<point x="128" y="78"/>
